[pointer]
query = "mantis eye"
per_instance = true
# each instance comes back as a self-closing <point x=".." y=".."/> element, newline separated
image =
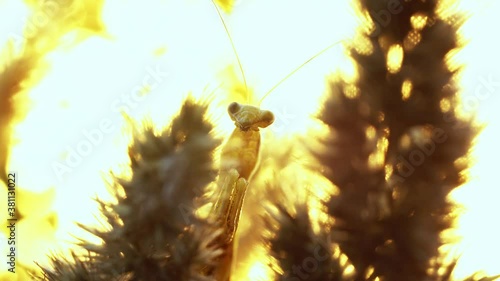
<point x="266" y="118"/>
<point x="233" y="108"/>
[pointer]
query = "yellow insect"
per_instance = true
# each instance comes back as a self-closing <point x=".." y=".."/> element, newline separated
<point x="238" y="160"/>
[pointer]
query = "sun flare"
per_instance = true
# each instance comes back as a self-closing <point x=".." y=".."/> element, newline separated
<point x="84" y="79"/>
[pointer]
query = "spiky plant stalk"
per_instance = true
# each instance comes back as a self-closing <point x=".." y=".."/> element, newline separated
<point x="302" y="253"/>
<point x="393" y="150"/>
<point x="154" y="232"/>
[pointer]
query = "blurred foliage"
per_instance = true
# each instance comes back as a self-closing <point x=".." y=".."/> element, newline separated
<point x="153" y="231"/>
<point x="226" y="5"/>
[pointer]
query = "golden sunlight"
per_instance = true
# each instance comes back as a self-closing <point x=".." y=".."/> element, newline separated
<point x="90" y="77"/>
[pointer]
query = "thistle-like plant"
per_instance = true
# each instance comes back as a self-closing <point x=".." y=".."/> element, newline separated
<point x="154" y="231"/>
<point x="393" y="151"/>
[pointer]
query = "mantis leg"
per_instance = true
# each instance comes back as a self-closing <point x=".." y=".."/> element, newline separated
<point x="234" y="212"/>
<point x="227" y="210"/>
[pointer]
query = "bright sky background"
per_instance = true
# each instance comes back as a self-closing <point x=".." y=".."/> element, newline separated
<point x="86" y="82"/>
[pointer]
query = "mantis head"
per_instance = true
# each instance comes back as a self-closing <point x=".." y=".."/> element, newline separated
<point x="247" y="117"/>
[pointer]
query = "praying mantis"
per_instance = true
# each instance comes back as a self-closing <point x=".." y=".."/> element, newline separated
<point x="239" y="158"/>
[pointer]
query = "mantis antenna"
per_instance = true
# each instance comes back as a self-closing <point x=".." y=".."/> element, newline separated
<point x="240" y="66"/>
<point x="297" y="69"/>
<point x="232" y="45"/>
